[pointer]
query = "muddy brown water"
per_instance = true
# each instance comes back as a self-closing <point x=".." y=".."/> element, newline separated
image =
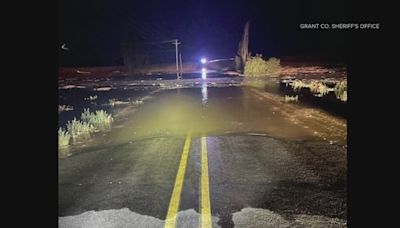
<point x="216" y="111"/>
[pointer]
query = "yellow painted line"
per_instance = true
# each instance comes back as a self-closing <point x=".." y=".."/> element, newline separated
<point x="174" y="203"/>
<point x="205" y="218"/>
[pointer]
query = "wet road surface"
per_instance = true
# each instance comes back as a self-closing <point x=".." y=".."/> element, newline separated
<point x="252" y="161"/>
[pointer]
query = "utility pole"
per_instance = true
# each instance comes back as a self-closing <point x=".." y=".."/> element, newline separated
<point x="180" y="60"/>
<point x="176" y="57"/>
<point x="245" y="42"/>
<point x="243" y="52"/>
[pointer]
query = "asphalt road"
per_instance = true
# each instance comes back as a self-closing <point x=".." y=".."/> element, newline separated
<point x="228" y="179"/>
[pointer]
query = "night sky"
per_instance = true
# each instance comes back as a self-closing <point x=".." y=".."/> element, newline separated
<point x="94" y="30"/>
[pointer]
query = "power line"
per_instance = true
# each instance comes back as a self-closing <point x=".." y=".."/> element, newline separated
<point x="155" y="42"/>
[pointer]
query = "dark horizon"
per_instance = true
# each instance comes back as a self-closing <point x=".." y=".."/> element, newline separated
<point x="94" y="31"/>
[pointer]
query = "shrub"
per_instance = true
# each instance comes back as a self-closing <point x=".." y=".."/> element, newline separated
<point x="273" y="65"/>
<point x="78" y="129"/>
<point x="100" y="120"/>
<point x="343" y="96"/>
<point x="291" y="98"/>
<point x="319" y="88"/>
<point x="63" y="137"/>
<point x="341" y="90"/>
<point x="256" y="66"/>
<point x="298" y="84"/>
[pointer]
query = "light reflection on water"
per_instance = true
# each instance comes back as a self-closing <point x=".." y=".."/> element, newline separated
<point x="204" y="93"/>
<point x="214" y="111"/>
<point x="203" y="73"/>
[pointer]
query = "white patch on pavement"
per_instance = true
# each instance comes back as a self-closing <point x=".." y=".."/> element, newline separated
<point x="255" y="217"/>
<point x="109" y="218"/>
<point x="125" y="218"/>
<point x="263" y="218"/>
<point x="247" y="217"/>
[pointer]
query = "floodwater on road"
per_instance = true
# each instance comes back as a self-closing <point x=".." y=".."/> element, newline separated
<point x="270" y="162"/>
<point x="214" y="111"/>
<point x="224" y="110"/>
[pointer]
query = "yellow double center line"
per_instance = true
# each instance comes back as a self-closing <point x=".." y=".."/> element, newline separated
<point x="205" y="218"/>
<point x="173" y="208"/>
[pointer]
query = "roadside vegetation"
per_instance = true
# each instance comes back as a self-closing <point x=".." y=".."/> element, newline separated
<point x="65" y="108"/>
<point x="256" y="66"/>
<point x="80" y="130"/>
<point x="341" y="91"/>
<point x="99" y="120"/>
<point x="320" y="89"/>
<point x="63" y="137"/>
<point x="291" y="98"/>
